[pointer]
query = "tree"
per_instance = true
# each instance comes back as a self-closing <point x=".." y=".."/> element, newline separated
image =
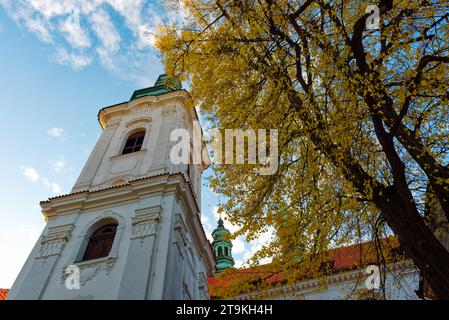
<point x="362" y="117"/>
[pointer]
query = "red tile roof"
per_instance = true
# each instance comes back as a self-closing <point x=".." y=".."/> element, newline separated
<point x="341" y="259"/>
<point x="3" y="293"/>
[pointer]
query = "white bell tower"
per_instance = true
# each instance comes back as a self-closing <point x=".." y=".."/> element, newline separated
<point x="130" y="228"/>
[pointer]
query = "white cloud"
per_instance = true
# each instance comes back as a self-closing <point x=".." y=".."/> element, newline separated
<point x="264" y="238"/>
<point x="208" y="228"/>
<point x="52" y="186"/>
<point x="145" y="36"/>
<point x="58" y="165"/>
<point x="105" y="30"/>
<point x="238" y="246"/>
<point x="25" y="15"/>
<point x="30" y="173"/>
<point x="49" y="8"/>
<point x="74" y="33"/>
<point x="126" y="50"/>
<point x="131" y="10"/>
<point x="133" y="65"/>
<point x="205" y="221"/>
<point x="40" y="29"/>
<point x="73" y="60"/>
<point x="56" y="132"/>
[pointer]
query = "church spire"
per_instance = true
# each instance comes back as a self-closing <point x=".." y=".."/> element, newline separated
<point x="222" y="247"/>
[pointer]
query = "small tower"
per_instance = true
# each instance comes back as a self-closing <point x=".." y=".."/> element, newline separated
<point x="222" y="247"/>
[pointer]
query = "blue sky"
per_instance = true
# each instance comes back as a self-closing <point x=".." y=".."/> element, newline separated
<point x="54" y="78"/>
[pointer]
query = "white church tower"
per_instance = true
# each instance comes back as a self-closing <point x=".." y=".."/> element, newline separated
<point x="130" y="228"/>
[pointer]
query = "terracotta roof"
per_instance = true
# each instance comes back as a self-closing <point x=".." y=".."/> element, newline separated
<point x="3" y="293"/>
<point x="340" y="259"/>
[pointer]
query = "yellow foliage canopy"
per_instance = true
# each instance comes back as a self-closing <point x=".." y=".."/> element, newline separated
<point x="362" y="117"/>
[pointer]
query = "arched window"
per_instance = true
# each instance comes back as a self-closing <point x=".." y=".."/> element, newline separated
<point x="220" y="251"/>
<point x="226" y="251"/>
<point x="134" y="142"/>
<point x="100" y="242"/>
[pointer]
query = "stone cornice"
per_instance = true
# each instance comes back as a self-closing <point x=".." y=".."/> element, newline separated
<point x="122" y="109"/>
<point x="116" y="194"/>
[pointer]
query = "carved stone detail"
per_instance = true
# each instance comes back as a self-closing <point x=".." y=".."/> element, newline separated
<point x="180" y="233"/>
<point x="168" y="111"/>
<point x="185" y="292"/>
<point x="202" y="281"/>
<point x="145" y="221"/>
<point x="55" y="240"/>
<point x="203" y="286"/>
<point x="141" y="107"/>
<point x="113" y="123"/>
<point x="90" y="269"/>
<point x="139" y="122"/>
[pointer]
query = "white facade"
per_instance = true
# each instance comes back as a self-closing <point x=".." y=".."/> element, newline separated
<point x="160" y="250"/>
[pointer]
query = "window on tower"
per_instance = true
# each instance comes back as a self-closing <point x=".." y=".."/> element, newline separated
<point x="226" y="251"/>
<point x="134" y="142"/>
<point x="220" y="251"/>
<point x="100" y="242"/>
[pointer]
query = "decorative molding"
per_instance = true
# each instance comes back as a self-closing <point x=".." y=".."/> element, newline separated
<point x="141" y="107"/>
<point x="202" y="280"/>
<point x="185" y="292"/>
<point x="143" y="103"/>
<point x="55" y="240"/>
<point x="180" y="233"/>
<point x="143" y="230"/>
<point x="128" y="155"/>
<point x="203" y="286"/>
<point x="157" y="166"/>
<point x="125" y="164"/>
<point x="118" y="181"/>
<point x="139" y="122"/>
<point x="167" y="111"/>
<point x="108" y="214"/>
<point x="91" y="268"/>
<point x="145" y="221"/>
<point x="113" y="123"/>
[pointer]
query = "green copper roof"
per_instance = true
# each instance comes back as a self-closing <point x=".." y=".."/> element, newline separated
<point x="222" y="247"/>
<point x="164" y="84"/>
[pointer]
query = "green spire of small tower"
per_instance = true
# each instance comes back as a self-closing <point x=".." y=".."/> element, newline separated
<point x="222" y="247"/>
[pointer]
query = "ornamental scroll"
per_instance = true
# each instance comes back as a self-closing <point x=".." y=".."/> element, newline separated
<point x="55" y="240"/>
<point x="145" y="221"/>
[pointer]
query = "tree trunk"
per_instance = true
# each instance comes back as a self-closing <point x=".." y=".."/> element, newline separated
<point x="396" y="205"/>
<point x="428" y="254"/>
